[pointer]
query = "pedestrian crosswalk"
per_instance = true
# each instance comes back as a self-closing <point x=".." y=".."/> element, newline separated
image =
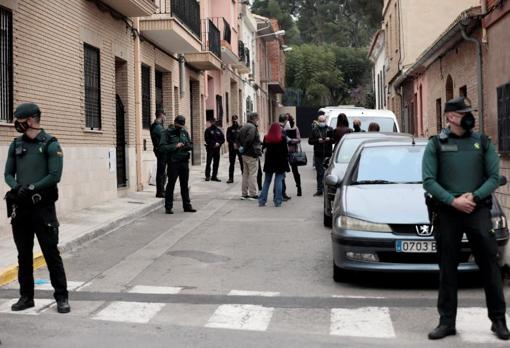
<point x="361" y="321"/>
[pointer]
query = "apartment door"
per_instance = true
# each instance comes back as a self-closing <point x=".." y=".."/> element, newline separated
<point x="121" y="144"/>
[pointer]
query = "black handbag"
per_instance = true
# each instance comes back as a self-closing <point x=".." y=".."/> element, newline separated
<point x="298" y="158"/>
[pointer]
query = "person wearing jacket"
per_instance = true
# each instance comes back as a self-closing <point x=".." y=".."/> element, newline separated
<point x="322" y="141"/>
<point x="157" y="127"/>
<point x="251" y="150"/>
<point x="176" y="145"/>
<point x="214" y="138"/>
<point x="276" y="163"/>
<point x="342" y="128"/>
<point x="294" y="139"/>
<point x="233" y="148"/>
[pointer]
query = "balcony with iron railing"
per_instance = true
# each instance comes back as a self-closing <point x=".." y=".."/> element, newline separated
<point x="243" y="65"/>
<point x="228" y="38"/>
<point x="131" y="8"/>
<point x="176" y="26"/>
<point x="210" y="57"/>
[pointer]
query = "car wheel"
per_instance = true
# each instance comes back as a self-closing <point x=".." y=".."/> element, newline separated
<point x="328" y="221"/>
<point x="340" y="275"/>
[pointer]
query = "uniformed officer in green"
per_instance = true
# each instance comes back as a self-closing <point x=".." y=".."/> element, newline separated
<point x="176" y="145"/>
<point x="32" y="171"/>
<point x="157" y="128"/>
<point x="461" y="171"/>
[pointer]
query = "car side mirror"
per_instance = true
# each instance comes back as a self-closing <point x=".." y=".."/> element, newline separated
<point x="502" y="180"/>
<point x="333" y="180"/>
<point x="325" y="164"/>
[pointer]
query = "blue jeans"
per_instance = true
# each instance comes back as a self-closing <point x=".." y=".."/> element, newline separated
<point x="278" y="183"/>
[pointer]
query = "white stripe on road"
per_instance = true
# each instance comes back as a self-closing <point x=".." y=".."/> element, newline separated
<point x="241" y="317"/>
<point x="131" y="312"/>
<point x="163" y="290"/>
<point x="5" y="307"/>
<point x="253" y="293"/>
<point x="362" y="322"/>
<point x="44" y="284"/>
<point x="473" y="325"/>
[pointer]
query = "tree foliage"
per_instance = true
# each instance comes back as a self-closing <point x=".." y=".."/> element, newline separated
<point x="328" y="64"/>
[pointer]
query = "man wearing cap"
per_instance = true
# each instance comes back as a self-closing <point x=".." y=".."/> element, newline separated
<point x="176" y="145"/>
<point x="461" y="171"/>
<point x="214" y="139"/>
<point x="32" y="171"/>
<point x="157" y="128"/>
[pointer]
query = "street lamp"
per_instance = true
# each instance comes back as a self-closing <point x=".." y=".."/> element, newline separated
<point x="287" y="49"/>
<point x="275" y="34"/>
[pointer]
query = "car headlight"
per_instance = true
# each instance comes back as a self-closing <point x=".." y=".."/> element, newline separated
<point x="499" y="222"/>
<point x="349" y="223"/>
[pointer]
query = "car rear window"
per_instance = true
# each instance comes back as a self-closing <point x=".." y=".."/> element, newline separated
<point x="347" y="149"/>
<point x="391" y="163"/>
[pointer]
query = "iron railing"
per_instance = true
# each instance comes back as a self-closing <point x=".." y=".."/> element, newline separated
<point x="188" y="11"/>
<point x="247" y="56"/>
<point x="240" y="49"/>
<point x="211" y="38"/>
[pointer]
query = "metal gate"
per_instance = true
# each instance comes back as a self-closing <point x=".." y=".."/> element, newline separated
<point x="304" y="117"/>
<point x="121" y="144"/>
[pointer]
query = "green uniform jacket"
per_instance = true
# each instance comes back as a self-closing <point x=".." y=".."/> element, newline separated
<point x="460" y="166"/>
<point x="156" y="130"/>
<point x="170" y="137"/>
<point x="40" y="163"/>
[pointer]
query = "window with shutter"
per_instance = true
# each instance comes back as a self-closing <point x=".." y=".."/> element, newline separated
<point x="146" y="96"/>
<point x="92" y="87"/>
<point x="504" y="118"/>
<point x="6" y="65"/>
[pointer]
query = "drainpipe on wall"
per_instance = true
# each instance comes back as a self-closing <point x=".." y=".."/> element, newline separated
<point x="478" y="44"/>
<point x="138" y="106"/>
<point x="181" y="76"/>
<point x="484" y="12"/>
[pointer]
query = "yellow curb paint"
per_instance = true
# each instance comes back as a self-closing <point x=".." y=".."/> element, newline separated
<point x="10" y="274"/>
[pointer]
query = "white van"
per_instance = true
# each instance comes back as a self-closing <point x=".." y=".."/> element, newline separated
<point x="385" y="118"/>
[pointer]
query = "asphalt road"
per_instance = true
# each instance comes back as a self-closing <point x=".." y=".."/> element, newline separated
<point x="233" y="275"/>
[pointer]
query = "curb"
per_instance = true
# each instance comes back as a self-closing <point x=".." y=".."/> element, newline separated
<point x="9" y="274"/>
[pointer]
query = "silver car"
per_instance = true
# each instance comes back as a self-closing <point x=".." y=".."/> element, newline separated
<point x="339" y="160"/>
<point x="380" y="220"/>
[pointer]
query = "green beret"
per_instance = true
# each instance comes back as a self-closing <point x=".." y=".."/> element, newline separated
<point x="26" y="110"/>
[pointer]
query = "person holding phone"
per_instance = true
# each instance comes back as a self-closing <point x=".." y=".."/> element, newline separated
<point x="322" y="140"/>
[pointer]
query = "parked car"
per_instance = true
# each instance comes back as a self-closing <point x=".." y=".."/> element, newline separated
<point x="339" y="160"/>
<point x="380" y="220"/>
<point x="385" y="118"/>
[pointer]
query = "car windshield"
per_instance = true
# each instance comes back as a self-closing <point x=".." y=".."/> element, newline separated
<point x="385" y="123"/>
<point x="347" y="149"/>
<point x="390" y="164"/>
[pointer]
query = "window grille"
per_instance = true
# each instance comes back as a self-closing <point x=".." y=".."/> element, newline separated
<point x="92" y="87"/>
<point x="146" y="96"/>
<point x="504" y="118"/>
<point x="6" y="65"/>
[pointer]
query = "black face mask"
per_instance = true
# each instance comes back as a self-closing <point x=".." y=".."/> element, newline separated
<point x="468" y="122"/>
<point x="21" y="127"/>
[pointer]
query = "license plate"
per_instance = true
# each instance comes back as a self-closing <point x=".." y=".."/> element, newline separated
<point x="415" y="246"/>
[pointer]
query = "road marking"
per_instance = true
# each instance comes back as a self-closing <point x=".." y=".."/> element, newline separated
<point x="39" y="305"/>
<point x="474" y="326"/>
<point x="163" y="290"/>
<point x="253" y="293"/>
<point x="241" y="317"/>
<point x="131" y="312"/>
<point x="362" y="322"/>
<point x="45" y="284"/>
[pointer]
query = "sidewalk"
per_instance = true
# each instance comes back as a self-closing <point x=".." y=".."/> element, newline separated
<point x="84" y="225"/>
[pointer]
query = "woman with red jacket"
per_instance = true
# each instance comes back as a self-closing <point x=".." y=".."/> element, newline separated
<point x="276" y="163"/>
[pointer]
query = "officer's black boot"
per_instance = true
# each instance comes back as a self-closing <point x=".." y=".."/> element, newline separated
<point x="22" y="304"/>
<point x="442" y="331"/>
<point x="63" y="306"/>
<point x="189" y="209"/>
<point x="500" y="329"/>
<point x="169" y="211"/>
<point x="299" y="192"/>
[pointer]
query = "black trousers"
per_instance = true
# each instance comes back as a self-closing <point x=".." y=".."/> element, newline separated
<point x="232" y="155"/>
<point x="319" y="168"/>
<point x="178" y="170"/>
<point x="259" y="177"/>
<point x="213" y="155"/>
<point x="449" y="228"/>
<point x="297" y="178"/>
<point x="160" y="173"/>
<point x="40" y="221"/>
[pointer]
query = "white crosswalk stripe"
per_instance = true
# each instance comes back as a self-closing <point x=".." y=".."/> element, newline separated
<point x="473" y="325"/>
<point x="253" y="293"/>
<point x="362" y="322"/>
<point x="44" y="284"/>
<point x="5" y="306"/>
<point x="163" y="290"/>
<point x="131" y="312"/>
<point x="241" y="317"/>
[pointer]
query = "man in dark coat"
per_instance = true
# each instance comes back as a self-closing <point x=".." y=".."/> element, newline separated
<point x="214" y="138"/>
<point x="157" y="128"/>
<point x="233" y="148"/>
<point x="322" y="141"/>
